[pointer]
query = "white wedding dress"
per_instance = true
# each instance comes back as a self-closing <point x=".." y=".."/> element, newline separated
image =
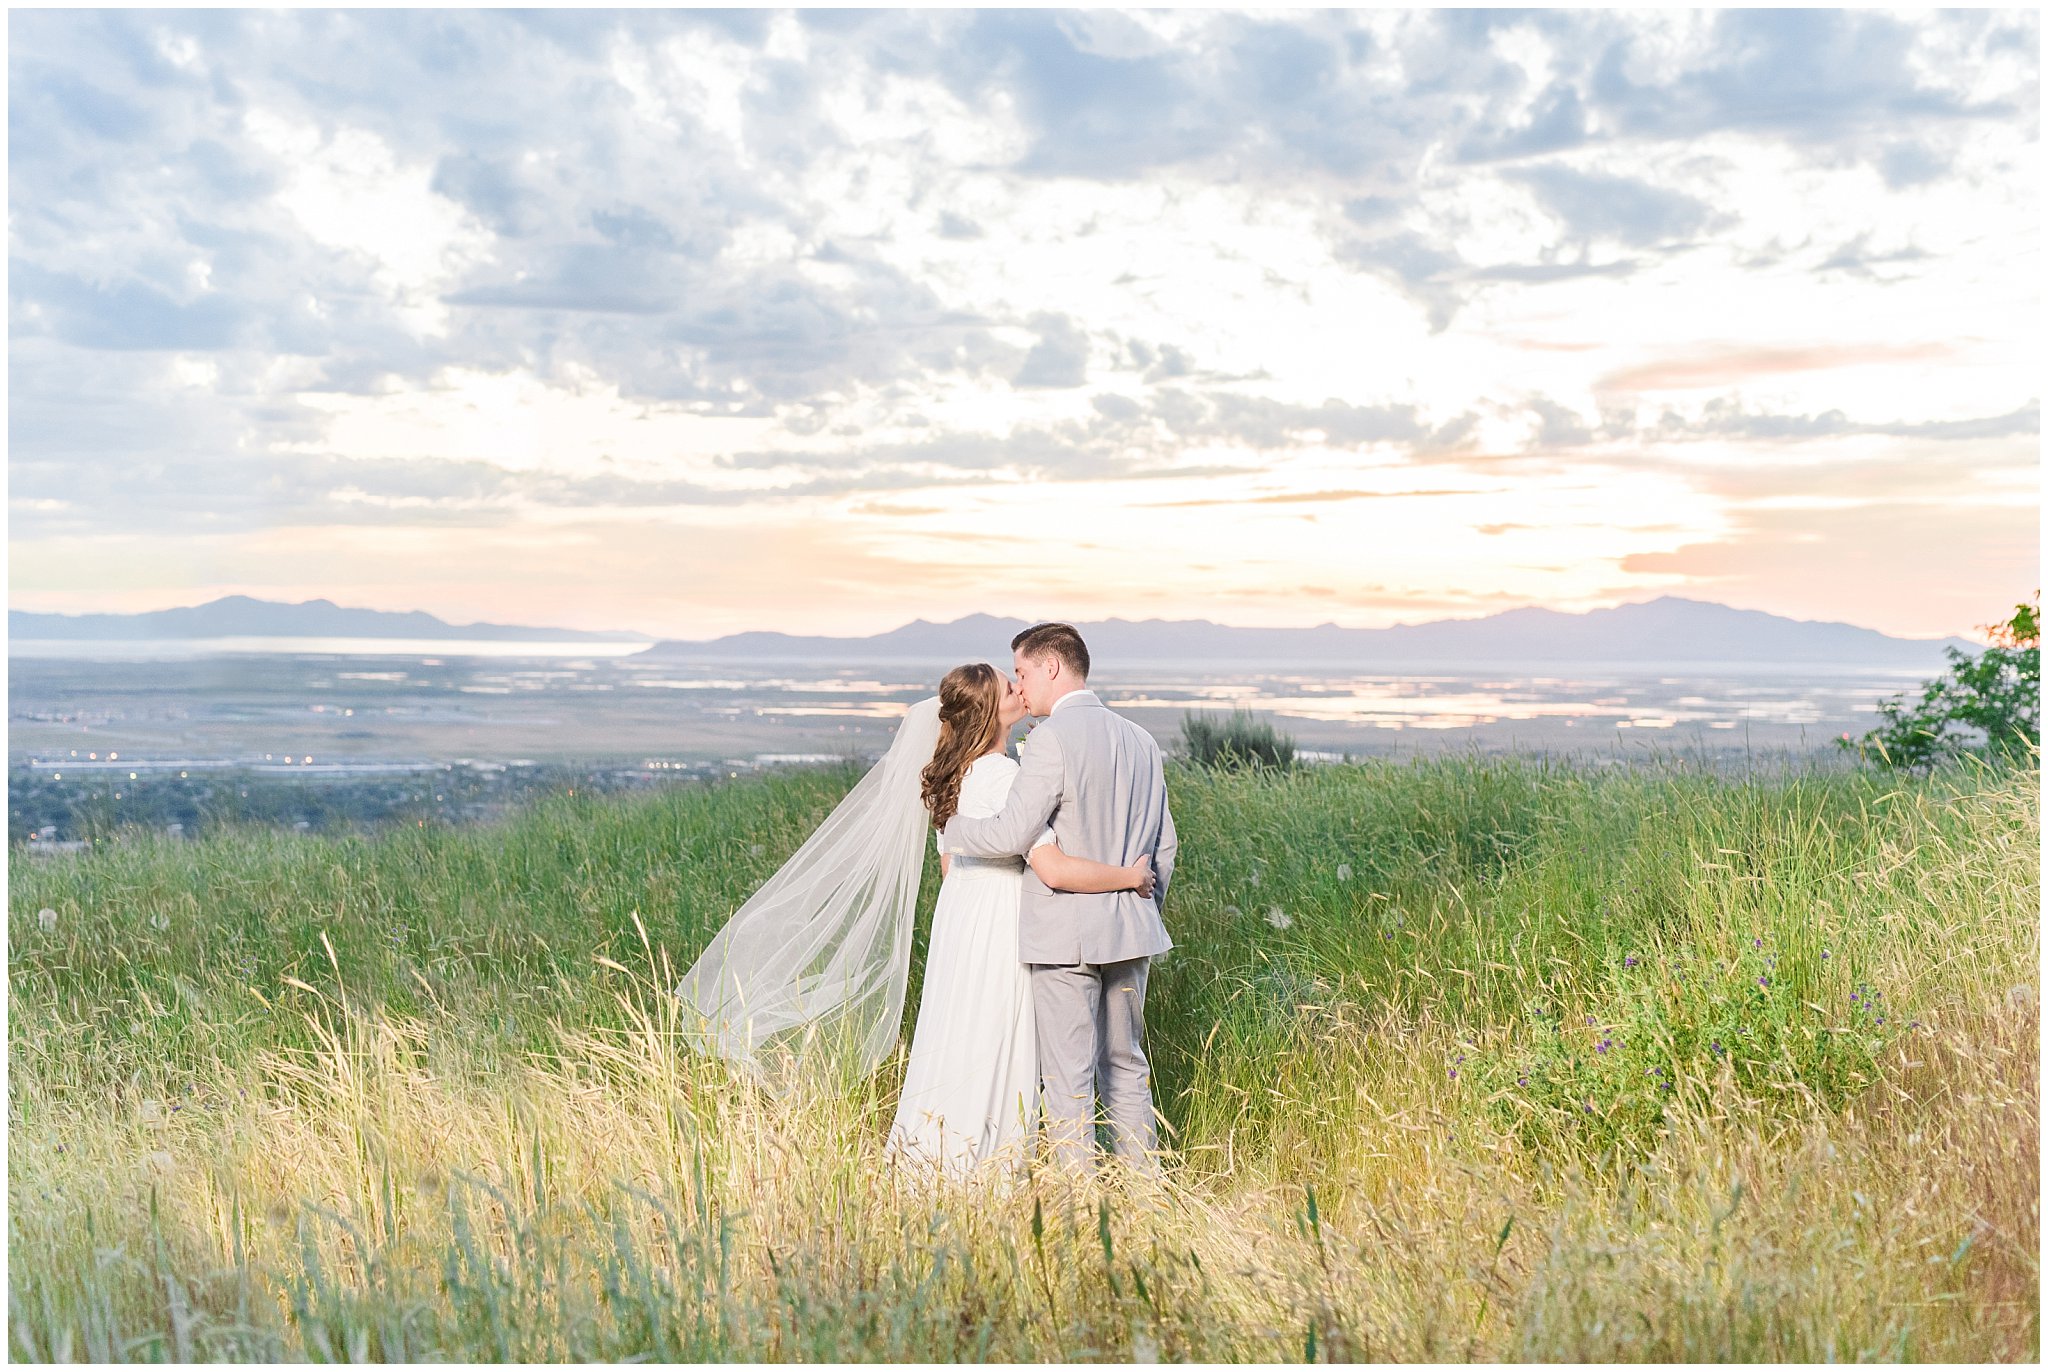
<point x="970" y="1095"/>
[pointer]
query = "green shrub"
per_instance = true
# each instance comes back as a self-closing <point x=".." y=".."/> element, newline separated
<point x="1236" y="741"/>
<point x="1994" y="697"/>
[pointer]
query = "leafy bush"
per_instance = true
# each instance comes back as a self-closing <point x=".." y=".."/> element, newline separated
<point x="1237" y="741"/>
<point x="1995" y="695"/>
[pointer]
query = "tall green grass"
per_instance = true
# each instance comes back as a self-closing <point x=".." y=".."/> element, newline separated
<point x="1459" y="1058"/>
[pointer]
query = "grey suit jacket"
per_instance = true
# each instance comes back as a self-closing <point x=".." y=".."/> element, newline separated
<point x="1101" y="781"/>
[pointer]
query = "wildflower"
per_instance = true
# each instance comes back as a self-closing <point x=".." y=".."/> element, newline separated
<point x="1343" y="871"/>
<point x="1603" y="1045"/>
<point x="1825" y="955"/>
<point x="1629" y="961"/>
<point x="1756" y="943"/>
<point x="1717" y="1047"/>
<point x="1278" y="918"/>
<point x="1764" y="982"/>
<point x="1521" y="1081"/>
<point x="1454" y="1072"/>
<point x="46" y="920"/>
<point x="1853" y="999"/>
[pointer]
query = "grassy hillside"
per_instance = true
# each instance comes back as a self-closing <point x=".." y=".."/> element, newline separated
<point x="1460" y="1058"/>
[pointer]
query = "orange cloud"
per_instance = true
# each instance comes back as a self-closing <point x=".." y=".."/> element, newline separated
<point x="1720" y="368"/>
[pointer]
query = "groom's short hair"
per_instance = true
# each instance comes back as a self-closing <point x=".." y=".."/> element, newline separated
<point x="1061" y="640"/>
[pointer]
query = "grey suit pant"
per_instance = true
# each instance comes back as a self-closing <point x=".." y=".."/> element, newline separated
<point x="1091" y="1034"/>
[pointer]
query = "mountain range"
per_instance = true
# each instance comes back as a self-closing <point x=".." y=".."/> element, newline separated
<point x="1669" y="629"/>
<point x="240" y="616"/>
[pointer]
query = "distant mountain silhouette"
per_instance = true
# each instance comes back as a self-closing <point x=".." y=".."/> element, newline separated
<point x="1668" y="629"/>
<point x="240" y="616"/>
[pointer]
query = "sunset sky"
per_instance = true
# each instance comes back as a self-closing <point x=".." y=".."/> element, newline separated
<point x="823" y="322"/>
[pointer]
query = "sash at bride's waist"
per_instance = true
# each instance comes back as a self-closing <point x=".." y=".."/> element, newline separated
<point x="964" y="863"/>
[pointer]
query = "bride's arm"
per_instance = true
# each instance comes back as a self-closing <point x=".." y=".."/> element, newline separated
<point x="1062" y="872"/>
<point x="1033" y="796"/>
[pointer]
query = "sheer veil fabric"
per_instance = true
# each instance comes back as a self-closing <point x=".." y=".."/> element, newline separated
<point x="811" y="971"/>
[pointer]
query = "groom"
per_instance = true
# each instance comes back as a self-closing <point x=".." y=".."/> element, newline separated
<point x="1100" y="781"/>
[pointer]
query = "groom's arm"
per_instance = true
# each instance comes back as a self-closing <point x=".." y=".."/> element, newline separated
<point x="1033" y="797"/>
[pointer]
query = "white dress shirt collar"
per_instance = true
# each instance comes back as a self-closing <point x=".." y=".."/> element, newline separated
<point x="1084" y="691"/>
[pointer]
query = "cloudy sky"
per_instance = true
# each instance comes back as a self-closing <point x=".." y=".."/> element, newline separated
<point x="821" y="322"/>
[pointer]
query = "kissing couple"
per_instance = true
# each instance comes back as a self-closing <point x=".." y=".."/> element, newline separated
<point x="1048" y="916"/>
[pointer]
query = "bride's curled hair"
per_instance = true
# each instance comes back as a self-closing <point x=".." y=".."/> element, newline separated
<point x="970" y="724"/>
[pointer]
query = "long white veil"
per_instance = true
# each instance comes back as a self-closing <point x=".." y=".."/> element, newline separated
<point x="812" y="968"/>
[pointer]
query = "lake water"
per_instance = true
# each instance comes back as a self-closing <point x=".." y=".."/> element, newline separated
<point x="354" y="703"/>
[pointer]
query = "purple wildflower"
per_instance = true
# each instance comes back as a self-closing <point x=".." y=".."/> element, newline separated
<point x="1629" y="961"/>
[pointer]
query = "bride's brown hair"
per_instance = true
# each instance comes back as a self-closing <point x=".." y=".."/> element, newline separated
<point x="970" y="724"/>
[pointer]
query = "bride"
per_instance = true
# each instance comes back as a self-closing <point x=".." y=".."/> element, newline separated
<point x="808" y="976"/>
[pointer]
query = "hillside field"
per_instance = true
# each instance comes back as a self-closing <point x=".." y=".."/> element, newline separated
<point x="1461" y="1058"/>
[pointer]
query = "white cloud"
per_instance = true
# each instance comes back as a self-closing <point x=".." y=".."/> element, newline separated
<point x="521" y="423"/>
<point x="348" y="190"/>
<point x="742" y="268"/>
